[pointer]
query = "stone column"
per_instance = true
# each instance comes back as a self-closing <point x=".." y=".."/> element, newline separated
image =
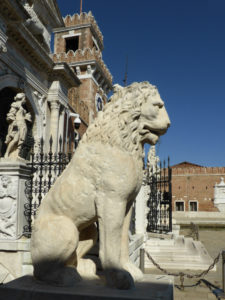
<point x="13" y="177"/>
<point x="54" y="123"/>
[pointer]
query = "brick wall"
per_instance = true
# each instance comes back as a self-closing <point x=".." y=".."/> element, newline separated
<point x="196" y="184"/>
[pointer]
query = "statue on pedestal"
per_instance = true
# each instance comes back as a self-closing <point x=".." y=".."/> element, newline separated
<point x="17" y="130"/>
<point x="100" y="184"/>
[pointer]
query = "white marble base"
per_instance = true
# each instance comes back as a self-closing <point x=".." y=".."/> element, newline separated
<point x="152" y="287"/>
<point x="15" y="259"/>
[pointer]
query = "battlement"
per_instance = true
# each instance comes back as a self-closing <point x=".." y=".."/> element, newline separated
<point x="198" y="171"/>
<point x="80" y="55"/>
<point x="82" y="19"/>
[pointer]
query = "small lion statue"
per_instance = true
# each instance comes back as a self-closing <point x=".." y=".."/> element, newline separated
<point x="99" y="184"/>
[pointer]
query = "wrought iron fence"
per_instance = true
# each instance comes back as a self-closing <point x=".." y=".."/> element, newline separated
<point x="45" y="168"/>
<point x="159" y="217"/>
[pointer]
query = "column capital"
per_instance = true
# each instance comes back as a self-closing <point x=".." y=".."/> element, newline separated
<point x="55" y="104"/>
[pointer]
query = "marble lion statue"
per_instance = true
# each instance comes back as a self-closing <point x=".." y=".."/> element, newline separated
<point x="99" y="184"/>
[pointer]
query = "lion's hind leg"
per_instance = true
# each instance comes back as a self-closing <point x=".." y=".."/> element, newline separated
<point x="86" y="266"/>
<point x="54" y="241"/>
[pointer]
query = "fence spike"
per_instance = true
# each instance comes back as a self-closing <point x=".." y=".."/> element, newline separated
<point x="60" y="143"/>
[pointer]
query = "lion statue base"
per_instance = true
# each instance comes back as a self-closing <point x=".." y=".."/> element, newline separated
<point x="99" y="184"/>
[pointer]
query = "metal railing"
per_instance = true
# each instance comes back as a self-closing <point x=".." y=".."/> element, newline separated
<point x="160" y="199"/>
<point x="45" y="168"/>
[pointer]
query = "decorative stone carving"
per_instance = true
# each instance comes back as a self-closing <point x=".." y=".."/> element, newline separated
<point x="36" y="27"/>
<point x="42" y="103"/>
<point x="2" y="47"/>
<point x="100" y="183"/>
<point x="78" y="70"/>
<point x="89" y="71"/>
<point x="219" y="195"/>
<point x="17" y="130"/>
<point x="153" y="161"/>
<point x="8" y="193"/>
<point x="3" y="37"/>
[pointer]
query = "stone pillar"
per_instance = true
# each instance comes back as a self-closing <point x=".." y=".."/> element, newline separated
<point x="13" y="176"/>
<point x="54" y="124"/>
<point x="219" y="195"/>
<point x="141" y="209"/>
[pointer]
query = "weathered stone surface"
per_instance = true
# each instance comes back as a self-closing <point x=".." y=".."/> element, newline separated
<point x="100" y="183"/>
<point x="13" y="176"/>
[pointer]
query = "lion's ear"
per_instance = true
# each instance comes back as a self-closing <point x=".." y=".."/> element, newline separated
<point x="117" y="88"/>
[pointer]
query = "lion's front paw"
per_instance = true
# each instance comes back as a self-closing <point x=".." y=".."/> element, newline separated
<point x="119" y="279"/>
<point x="133" y="270"/>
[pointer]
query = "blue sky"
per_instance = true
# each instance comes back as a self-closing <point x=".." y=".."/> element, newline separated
<point x="179" y="46"/>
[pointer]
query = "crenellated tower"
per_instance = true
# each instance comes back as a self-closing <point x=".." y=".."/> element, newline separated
<point x="80" y="44"/>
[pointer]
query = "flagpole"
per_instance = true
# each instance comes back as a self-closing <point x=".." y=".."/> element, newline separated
<point x="80" y="6"/>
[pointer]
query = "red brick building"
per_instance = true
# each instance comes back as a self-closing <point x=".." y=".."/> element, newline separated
<point x="80" y="44"/>
<point x="193" y="186"/>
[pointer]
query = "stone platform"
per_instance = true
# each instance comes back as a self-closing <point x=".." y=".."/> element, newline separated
<point x="152" y="287"/>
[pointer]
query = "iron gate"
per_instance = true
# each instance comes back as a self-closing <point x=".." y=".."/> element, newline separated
<point x="159" y="217"/>
<point x="45" y="168"/>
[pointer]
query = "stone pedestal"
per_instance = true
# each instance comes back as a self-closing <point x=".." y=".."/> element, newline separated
<point x="219" y="195"/>
<point x="14" y="249"/>
<point x="13" y="175"/>
<point x="152" y="287"/>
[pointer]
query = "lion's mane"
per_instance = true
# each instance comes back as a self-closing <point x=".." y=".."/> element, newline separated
<point x="118" y="123"/>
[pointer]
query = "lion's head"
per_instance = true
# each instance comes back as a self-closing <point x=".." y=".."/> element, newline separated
<point x="135" y="115"/>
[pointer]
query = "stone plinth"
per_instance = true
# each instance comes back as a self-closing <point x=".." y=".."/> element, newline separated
<point x="13" y="176"/>
<point x="152" y="287"/>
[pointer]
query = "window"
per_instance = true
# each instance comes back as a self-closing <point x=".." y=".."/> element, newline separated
<point x="72" y="43"/>
<point x="179" y="206"/>
<point x="193" y="206"/>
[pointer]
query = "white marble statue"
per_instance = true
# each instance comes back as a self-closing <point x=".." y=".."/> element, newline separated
<point x="100" y="183"/>
<point x="17" y="130"/>
<point x="153" y="161"/>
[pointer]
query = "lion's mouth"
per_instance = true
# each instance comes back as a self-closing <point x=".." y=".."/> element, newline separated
<point x="146" y="130"/>
<point x="151" y="136"/>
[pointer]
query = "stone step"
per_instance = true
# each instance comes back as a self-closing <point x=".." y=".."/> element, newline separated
<point x="184" y="254"/>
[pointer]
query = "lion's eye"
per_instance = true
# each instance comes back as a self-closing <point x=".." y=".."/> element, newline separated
<point x="159" y="104"/>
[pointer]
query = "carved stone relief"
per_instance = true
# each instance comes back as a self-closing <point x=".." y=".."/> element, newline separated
<point x="8" y="194"/>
